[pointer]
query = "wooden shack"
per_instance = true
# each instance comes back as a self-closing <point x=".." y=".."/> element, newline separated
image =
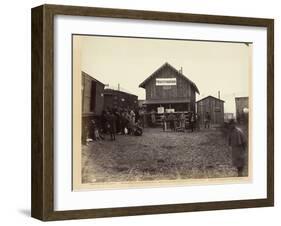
<point x="92" y="95"/>
<point x="119" y="99"/>
<point x="167" y="87"/>
<point x="92" y="102"/>
<point x="214" y="106"/>
<point x="242" y="108"/>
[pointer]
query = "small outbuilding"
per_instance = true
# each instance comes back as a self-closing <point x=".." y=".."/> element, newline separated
<point x="242" y="108"/>
<point x="119" y="99"/>
<point x="214" y="106"/>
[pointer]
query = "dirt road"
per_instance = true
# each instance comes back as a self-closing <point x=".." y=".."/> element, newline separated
<point x="157" y="155"/>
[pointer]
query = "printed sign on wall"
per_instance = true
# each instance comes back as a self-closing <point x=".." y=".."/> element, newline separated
<point x="166" y="81"/>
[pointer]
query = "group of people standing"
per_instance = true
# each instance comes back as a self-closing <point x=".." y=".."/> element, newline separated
<point x="131" y="122"/>
<point x="118" y="121"/>
<point x="180" y="122"/>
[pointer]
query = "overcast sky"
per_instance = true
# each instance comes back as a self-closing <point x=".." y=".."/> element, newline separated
<point x="212" y="66"/>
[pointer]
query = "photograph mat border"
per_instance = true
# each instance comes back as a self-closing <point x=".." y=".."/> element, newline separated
<point x="64" y="26"/>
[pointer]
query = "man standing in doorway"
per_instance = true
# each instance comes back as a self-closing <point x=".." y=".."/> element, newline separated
<point x="207" y="120"/>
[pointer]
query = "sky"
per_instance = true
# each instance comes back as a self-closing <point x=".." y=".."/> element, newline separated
<point x="212" y="66"/>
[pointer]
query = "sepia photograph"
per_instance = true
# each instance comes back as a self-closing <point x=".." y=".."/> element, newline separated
<point x="160" y="112"/>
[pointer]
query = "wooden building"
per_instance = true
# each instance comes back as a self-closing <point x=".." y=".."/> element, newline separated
<point x="242" y="104"/>
<point x="92" y="102"/>
<point x="167" y="87"/>
<point x="92" y="95"/>
<point x="214" y="106"/>
<point x="242" y="108"/>
<point x="119" y="99"/>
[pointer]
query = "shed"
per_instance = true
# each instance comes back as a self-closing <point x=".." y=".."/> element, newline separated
<point x="119" y="99"/>
<point x="214" y="106"/>
<point x="242" y="108"/>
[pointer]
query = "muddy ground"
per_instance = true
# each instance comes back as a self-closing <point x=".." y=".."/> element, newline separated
<point x="158" y="155"/>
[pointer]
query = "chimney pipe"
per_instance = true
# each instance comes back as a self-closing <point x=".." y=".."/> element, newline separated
<point x="181" y="70"/>
<point x="219" y="95"/>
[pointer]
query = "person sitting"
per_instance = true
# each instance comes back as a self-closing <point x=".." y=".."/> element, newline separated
<point x="96" y="134"/>
<point x="137" y="130"/>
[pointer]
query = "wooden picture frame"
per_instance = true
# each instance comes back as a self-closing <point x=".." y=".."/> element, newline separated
<point x="42" y="203"/>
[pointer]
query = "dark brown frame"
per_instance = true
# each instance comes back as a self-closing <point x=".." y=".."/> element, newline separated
<point x="42" y="203"/>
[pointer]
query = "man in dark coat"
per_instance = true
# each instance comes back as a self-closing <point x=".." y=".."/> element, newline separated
<point x="172" y="121"/>
<point x="111" y="125"/>
<point x="207" y="120"/>
<point x="103" y="121"/>
<point x="192" y="121"/>
<point x="237" y="141"/>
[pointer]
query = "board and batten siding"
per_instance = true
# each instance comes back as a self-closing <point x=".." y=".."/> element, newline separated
<point x="182" y="89"/>
<point x="214" y="106"/>
<point x="92" y="95"/>
<point x="240" y="104"/>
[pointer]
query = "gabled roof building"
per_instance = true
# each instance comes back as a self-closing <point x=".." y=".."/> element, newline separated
<point x="169" y="88"/>
<point x="214" y="106"/>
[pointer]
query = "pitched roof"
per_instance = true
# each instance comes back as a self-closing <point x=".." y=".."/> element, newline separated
<point x="92" y="78"/>
<point x="109" y="91"/>
<point x="209" y="97"/>
<point x="142" y="85"/>
<point x="241" y="98"/>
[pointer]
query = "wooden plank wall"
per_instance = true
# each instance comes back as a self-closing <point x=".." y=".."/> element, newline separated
<point x="210" y="105"/>
<point x="182" y="90"/>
